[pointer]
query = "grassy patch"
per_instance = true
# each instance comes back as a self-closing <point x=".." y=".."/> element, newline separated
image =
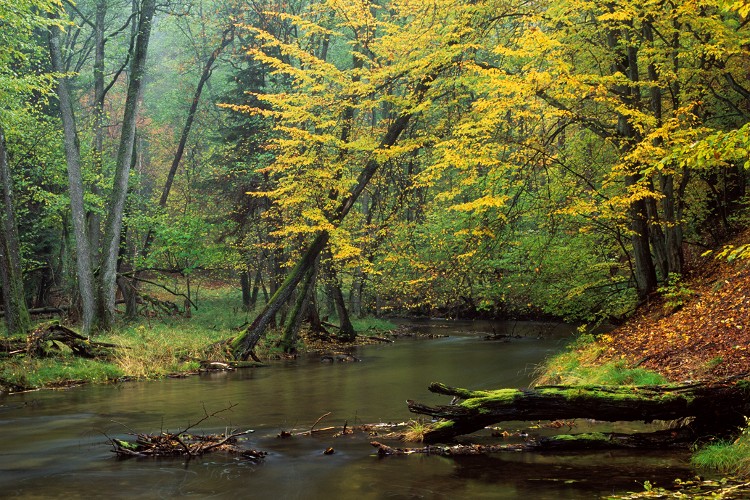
<point x="372" y="325"/>
<point x="580" y="364"/>
<point x="415" y="430"/>
<point x="727" y="457"/>
<point x="32" y="373"/>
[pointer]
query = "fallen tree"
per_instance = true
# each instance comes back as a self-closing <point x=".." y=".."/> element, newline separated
<point x="712" y="408"/>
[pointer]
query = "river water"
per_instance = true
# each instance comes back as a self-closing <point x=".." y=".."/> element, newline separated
<point x="54" y="444"/>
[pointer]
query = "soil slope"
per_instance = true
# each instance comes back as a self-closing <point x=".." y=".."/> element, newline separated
<point x="707" y="337"/>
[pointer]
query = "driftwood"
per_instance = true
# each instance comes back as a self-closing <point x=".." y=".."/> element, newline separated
<point x="184" y="444"/>
<point x="712" y="407"/>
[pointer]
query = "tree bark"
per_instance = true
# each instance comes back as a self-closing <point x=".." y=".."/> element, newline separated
<point x="245" y="286"/>
<point x="297" y="314"/>
<point x="243" y="345"/>
<point x="17" y="316"/>
<point x="715" y="406"/>
<point x="108" y="285"/>
<point x="84" y="267"/>
<point x="93" y="217"/>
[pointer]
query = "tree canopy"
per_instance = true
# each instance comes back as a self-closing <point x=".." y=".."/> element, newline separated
<point x="451" y="157"/>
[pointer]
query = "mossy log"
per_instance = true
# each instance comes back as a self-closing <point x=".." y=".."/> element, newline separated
<point x="713" y="406"/>
<point x="50" y="335"/>
<point x="585" y="441"/>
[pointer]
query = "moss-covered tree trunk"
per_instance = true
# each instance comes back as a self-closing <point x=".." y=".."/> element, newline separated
<point x="14" y="301"/>
<point x="715" y="407"/>
<point x="297" y="314"/>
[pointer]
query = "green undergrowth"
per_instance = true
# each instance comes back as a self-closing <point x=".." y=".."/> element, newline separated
<point x="155" y="345"/>
<point x="372" y="326"/>
<point x="727" y="457"/>
<point x="580" y="364"/>
<point x="23" y="373"/>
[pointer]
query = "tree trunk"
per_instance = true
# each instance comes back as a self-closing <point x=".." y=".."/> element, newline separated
<point x="113" y="229"/>
<point x="627" y="64"/>
<point x="256" y="286"/>
<point x="243" y="345"/>
<point x="715" y="406"/>
<point x="93" y="217"/>
<point x="297" y="314"/>
<point x="17" y="316"/>
<point x="84" y="267"/>
<point x="245" y="286"/>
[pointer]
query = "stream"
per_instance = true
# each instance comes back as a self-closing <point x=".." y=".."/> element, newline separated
<point x="54" y="443"/>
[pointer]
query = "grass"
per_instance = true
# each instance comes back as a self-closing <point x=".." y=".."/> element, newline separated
<point x="581" y="364"/>
<point x="727" y="457"/>
<point x="370" y="325"/>
<point x="415" y="430"/>
<point x="27" y="373"/>
<point x="156" y="345"/>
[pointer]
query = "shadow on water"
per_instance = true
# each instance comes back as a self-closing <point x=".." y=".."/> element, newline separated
<point x="54" y="444"/>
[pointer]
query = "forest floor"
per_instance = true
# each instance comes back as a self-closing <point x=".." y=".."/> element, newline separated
<point x="696" y="329"/>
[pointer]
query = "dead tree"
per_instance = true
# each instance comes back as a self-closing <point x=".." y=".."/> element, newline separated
<point x="712" y="407"/>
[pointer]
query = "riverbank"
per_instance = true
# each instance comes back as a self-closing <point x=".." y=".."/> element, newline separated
<point x="158" y="346"/>
<point x="695" y="329"/>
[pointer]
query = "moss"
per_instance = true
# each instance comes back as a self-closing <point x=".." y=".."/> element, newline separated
<point x="500" y="396"/>
<point x="586" y="436"/>
<point x="442" y="424"/>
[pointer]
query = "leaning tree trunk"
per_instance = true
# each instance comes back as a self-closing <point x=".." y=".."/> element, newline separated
<point x="715" y="407"/>
<point x="243" y="345"/>
<point x="84" y="267"/>
<point x="108" y="284"/>
<point x="346" y="329"/>
<point x="298" y="312"/>
<point x="14" y="301"/>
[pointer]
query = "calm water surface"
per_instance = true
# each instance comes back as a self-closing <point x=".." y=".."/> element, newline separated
<point x="53" y="443"/>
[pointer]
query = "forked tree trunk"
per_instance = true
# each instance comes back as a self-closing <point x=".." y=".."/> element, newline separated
<point x="83" y="253"/>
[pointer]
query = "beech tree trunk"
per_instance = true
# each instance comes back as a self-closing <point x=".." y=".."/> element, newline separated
<point x="17" y="316"/>
<point x="83" y="252"/>
<point x="716" y="407"/>
<point x="108" y="284"/>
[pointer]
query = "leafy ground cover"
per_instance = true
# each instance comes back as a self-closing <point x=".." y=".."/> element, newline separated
<point x="701" y="331"/>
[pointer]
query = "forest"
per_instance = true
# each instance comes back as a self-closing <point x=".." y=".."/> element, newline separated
<point x="337" y="159"/>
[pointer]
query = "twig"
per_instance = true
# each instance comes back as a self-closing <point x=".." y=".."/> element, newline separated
<point x="225" y="440"/>
<point x="206" y="417"/>
<point x="317" y="421"/>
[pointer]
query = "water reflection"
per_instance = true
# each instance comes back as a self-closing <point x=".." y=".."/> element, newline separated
<point x="54" y="442"/>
